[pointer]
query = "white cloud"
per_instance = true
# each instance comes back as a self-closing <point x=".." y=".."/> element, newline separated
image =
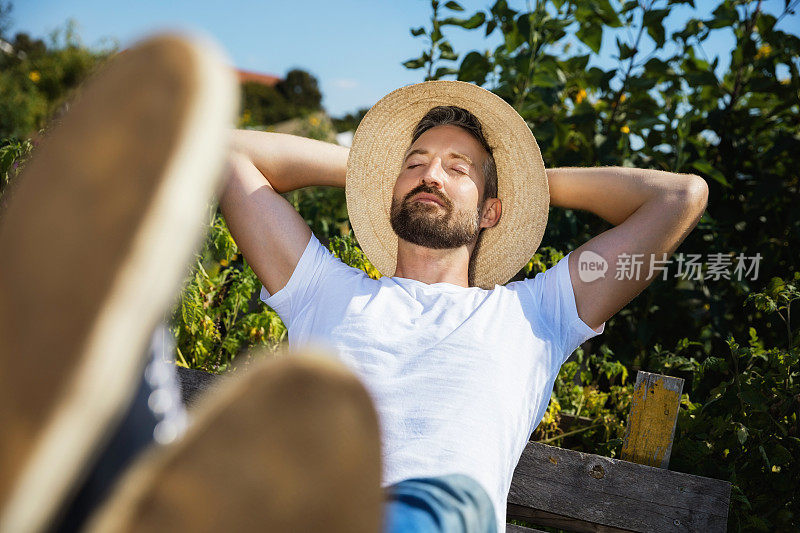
<point x="345" y="83"/>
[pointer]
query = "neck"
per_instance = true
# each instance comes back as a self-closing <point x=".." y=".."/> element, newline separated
<point x="433" y="266"/>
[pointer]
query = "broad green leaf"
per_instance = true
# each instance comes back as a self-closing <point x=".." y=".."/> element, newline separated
<point x="577" y="63"/>
<point x="693" y="27"/>
<point x="706" y="168"/>
<point x="591" y="35"/>
<point x="545" y="79"/>
<point x="741" y="434"/>
<point x="725" y="15"/>
<point x="474" y="67"/>
<point x="606" y="13"/>
<point x="625" y="51"/>
<point x="653" y="21"/>
<point x="444" y="71"/>
<point x="414" y="63"/>
<point x="468" y="24"/>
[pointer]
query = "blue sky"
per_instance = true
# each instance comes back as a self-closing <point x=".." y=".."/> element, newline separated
<point x="354" y="47"/>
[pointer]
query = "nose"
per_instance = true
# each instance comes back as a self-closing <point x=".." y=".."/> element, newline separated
<point x="434" y="174"/>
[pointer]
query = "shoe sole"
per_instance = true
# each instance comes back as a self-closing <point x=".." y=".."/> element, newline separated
<point x="293" y="445"/>
<point x="95" y="242"/>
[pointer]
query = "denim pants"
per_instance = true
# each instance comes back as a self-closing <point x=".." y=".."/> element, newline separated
<point x="453" y="503"/>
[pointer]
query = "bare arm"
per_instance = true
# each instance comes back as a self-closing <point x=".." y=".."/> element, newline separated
<point x="290" y="162"/>
<point x="270" y="233"/>
<point x="653" y="212"/>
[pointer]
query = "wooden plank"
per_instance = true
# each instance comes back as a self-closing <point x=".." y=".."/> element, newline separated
<point x="586" y="492"/>
<point x="651" y="423"/>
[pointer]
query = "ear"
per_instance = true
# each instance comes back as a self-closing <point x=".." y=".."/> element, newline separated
<point x="492" y="210"/>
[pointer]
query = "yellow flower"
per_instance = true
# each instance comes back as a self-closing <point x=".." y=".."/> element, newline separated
<point x="314" y="121"/>
<point x="223" y="262"/>
<point x="623" y="97"/>
<point x="35" y="76"/>
<point x="763" y="51"/>
<point x="581" y="96"/>
<point x="625" y="129"/>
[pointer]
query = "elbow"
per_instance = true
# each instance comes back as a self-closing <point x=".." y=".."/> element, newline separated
<point x="691" y="194"/>
<point x="697" y="193"/>
<point x="238" y="141"/>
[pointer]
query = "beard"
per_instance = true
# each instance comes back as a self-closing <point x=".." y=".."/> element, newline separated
<point x="432" y="226"/>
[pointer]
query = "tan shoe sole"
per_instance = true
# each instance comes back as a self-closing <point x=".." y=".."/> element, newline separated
<point x="95" y="242"/>
<point x="293" y="445"/>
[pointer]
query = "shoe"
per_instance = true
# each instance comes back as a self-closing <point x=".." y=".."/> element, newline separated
<point x="95" y="242"/>
<point x="291" y="445"/>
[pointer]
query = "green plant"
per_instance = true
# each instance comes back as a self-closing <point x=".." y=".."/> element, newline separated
<point x="746" y="428"/>
<point x="13" y="154"/>
<point x="37" y="78"/>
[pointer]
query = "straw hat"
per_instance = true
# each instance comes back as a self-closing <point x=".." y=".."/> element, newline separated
<point x="375" y="162"/>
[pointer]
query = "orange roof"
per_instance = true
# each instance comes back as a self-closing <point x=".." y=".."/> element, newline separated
<point x="264" y="79"/>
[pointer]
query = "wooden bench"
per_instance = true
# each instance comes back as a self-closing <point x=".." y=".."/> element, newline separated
<point x="583" y="492"/>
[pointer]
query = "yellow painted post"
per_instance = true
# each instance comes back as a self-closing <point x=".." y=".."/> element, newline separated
<point x="651" y="424"/>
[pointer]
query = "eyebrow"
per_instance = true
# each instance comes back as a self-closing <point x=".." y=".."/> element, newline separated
<point x="453" y="155"/>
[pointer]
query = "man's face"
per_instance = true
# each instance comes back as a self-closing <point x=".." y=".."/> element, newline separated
<point x="437" y="196"/>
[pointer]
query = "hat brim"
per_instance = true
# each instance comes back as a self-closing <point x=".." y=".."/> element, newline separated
<point x="375" y="161"/>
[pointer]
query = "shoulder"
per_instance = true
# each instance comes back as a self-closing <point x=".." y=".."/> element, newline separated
<point x="317" y="270"/>
<point x="547" y="283"/>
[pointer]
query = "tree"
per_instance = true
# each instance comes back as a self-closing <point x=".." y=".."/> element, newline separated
<point x="295" y="96"/>
<point x="301" y="90"/>
<point x="350" y="121"/>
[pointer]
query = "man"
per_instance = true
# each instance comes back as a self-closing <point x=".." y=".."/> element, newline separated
<point x="448" y="197"/>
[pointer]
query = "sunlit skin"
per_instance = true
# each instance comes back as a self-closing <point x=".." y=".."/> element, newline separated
<point x="451" y="160"/>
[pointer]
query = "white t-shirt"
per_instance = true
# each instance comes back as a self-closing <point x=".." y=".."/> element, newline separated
<point x="460" y="377"/>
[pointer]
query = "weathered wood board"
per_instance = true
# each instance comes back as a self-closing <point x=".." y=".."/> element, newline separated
<point x="654" y="415"/>
<point x="586" y="492"/>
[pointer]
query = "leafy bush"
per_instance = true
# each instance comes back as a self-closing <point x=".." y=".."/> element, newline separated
<point x="37" y="78"/>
